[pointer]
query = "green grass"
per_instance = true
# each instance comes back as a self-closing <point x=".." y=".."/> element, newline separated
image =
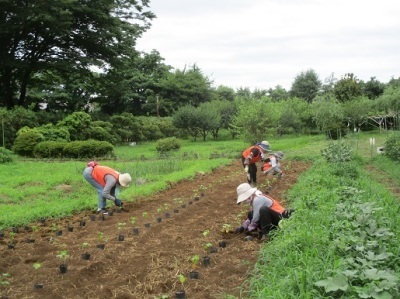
<point x="332" y="228"/>
<point x="36" y="189"/>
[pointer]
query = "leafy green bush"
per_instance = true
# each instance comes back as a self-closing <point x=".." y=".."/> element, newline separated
<point x="6" y="156"/>
<point x="337" y="152"/>
<point x="50" y="149"/>
<point x="26" y="141"/>
<point x="89" y="149"/>
<point x="168" y="144"/>
<point x="392" y="146"/>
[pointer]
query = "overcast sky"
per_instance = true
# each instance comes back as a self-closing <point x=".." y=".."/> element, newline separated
<point x="265" y="43"/>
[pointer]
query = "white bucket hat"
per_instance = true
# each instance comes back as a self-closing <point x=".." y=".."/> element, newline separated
<point x="125" y="179"/>
<point x="244" y="191"/>
<point x="265" y="146"/>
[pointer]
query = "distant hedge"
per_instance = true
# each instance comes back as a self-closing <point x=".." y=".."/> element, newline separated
<point x="74" y="149"/>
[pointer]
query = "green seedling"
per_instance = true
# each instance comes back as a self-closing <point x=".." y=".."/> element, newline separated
<point x="144" y="214"/>
<point x="133" y="220"/>
<point x="4" y="281"/>
<point x="226" y="228"/>
<point x="121" y="225"/>
<point x="206" y="232"/>
<point x="182" y="280"/>
<point x="207" y="246"/>
<point x="37" y="266"/>
<point x="63" y="255"/>
<point x="194" y="260"/>
<point x="12" y="237"/>
<point x="85" y="245"/>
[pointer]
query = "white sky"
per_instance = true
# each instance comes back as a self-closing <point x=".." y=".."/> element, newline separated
<point x="265" y="43"/>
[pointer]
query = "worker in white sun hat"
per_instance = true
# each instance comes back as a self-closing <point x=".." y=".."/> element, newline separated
<point x="252" y="155"/>
<point x="265" y="214"/>
<point x="106" y="181"/>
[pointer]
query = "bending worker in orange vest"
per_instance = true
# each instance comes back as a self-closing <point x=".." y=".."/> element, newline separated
<point x="252" y="155"/>
<point x="272" y="165"/>
<point x="106" y="181"/>
<point x="265" y="214"/>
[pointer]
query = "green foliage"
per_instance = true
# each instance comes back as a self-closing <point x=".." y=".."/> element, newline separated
<point x="327" y="113"/>
<point x="337" y="152"/>
<point x="255" y="118"/>
<point x="6" y="156"/>
<point x="62" y="47"/>
<point x="347" y="88"/>
<point x="77" y="125"/>
<point x="392" y="146"/>
<point x="50" y="149"/>
<point x="306" y="85"/>
<point x="26" y="141"/>
<point x="168" y="144"/>
<point x="88" y="149"/>
<point x="53" y="133"/>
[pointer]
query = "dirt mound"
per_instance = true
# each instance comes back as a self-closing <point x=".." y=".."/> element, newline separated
<point x="147" y="264"/>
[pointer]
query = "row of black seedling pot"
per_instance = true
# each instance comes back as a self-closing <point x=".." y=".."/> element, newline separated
<point x="205" y="261"/>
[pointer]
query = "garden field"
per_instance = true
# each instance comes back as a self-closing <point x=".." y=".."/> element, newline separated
<point x="186" y="224"/>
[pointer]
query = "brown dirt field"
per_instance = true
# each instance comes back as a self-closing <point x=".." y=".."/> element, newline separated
<point x="146" y="265"/>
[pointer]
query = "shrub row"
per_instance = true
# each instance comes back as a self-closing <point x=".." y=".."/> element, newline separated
<point x="75" y="149"/>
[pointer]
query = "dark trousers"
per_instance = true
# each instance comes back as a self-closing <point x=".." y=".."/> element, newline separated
<point x="252" y="174"/>
<point x="269" y="219"/>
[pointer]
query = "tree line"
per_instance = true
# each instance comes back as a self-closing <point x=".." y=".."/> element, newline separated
<point x="75" y="62"/>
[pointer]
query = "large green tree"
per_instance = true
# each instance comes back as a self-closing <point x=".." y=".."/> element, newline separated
<point x="347" y="88"/>
<point x="38" y="36"/>
<point x="306" y="85"/>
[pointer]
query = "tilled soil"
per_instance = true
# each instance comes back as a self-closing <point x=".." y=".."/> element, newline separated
<point x="147" y="264"/>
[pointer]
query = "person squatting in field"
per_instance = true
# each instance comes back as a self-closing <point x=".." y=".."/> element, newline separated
<point x="252" y="155"/>
<point x="272" y="165"/>
<point x="265" y="214"/>
<point x="106" y="181"/>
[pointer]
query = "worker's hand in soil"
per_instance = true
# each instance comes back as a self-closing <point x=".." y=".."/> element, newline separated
<point x="239" y="230"/>
<point x="118" y="202"/>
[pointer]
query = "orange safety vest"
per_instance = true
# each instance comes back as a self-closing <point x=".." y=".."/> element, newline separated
<point x="247" y="152"/>
<point x="267" y="165"/>
<point x="99" y="173"/>
<point x="276" y="206"/>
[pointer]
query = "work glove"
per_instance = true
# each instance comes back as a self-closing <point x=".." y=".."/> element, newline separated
<point x="252" y="226"/>
<point x="239" y="230"/>
<point x="246" y="168"/>
<point x="118" y="202"/>
<point x="246" y="224"/>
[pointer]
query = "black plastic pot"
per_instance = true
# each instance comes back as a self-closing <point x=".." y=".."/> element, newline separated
<point x="147" y="225"/>
<point x="11" y="245"/>
<point x="206" y="261"/>
<point x="180" y="295"/>
<point x="159" y="219"/>
<point x="63" y="268"/>
<point x="38" y="286"/>
<point x="196" y="198"/>
<point x="194" y="275"/>
<point x="82" y="223"/>
<point x="58" y="232"/>
<point x="70" y="228"/>
<point x="136" y="231"/>
<point x="101" y="246"/>
<point x="86" y="256"/>
<point x="222" y="244"/>
<point x="213" y="249"/>
<point x="176" y="211"/>
<point x="121" y="237"/>
<point x="167" y="215"/>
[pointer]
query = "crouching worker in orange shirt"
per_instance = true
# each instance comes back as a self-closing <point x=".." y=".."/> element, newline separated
<point x="265" y="214"/>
